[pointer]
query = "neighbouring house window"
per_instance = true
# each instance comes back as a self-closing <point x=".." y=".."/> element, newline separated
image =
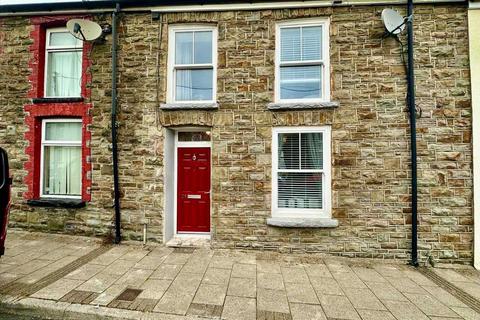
<point x="302" y="61"/>
<point x="301" y="172"/>
<point x="61" y="160"/>
<point x="63" y="64"/>
<point x="192" y="64"/>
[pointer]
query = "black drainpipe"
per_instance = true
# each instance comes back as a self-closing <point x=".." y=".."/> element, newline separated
<point x="116" y="190"/>
<point x="413" y="130"/>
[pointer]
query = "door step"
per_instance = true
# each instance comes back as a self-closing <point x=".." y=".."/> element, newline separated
<point x="190" y="241"/>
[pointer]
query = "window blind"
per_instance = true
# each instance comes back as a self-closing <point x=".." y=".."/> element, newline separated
<point x="300" y="165"/>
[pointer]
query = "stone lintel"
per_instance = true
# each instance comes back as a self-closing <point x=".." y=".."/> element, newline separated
<point x="287" y="222"/>
<point x="302" y="105"/>
<point x="189" y="106"/>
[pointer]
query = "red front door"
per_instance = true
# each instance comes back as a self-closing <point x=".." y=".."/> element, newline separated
<point x="193" y="190"/>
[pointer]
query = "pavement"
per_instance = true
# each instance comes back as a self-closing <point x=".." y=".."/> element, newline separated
<point x="69" y="277"/>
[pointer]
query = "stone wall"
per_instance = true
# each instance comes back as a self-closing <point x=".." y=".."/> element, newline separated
<point x="370" y="132"/>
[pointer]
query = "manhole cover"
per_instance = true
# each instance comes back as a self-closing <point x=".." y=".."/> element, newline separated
<point x="129" y="294"/>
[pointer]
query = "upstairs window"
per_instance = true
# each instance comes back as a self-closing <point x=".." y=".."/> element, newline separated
<point x="61" y="161"/>
<point x="192" y="64"/>
<point x="63" y="64"/>
<point x="301" y="172"/>
<point x="302" y="69"/>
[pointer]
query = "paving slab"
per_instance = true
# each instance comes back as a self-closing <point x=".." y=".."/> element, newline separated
<point x="338" y="307"/>
<point x="58" y="289"/>
<point x="369" y="274"/>
<point x="154" y="288"/>
<point x="326" y="286"/>
<point x="294" y="275"/>
<point x="318" y="271"/>
<point x="375" y="315"/>
<point x="220" y="262"/>
<point x="217" y="276"/>
<point x="166" y="271"/>
<point x="405" y="310"/>
<point x="363" y="299"/>
<point x="85" y="272"/>
<point x="239" y="308"/>
<point x="273" y="281"/>
<point x="301" y="293"/>
<point x="272" y="300"/>
<point x="444" y="297"/>
<point x="242" y="287"/>
<point x="210" y="294"/>
<point x="307" y="312"/>
<point x="241" y="270"/>
<point x="429" y="305"/>
<point x="174" y="303"/>
<point x="385" y="291"/>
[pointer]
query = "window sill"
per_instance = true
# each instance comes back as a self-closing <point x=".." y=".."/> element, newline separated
<point x="302" y="105"/>
<point x="57" y="203"/>
<point x="302" y="222"/>
<point x="57" y="100"/>
<point x="189" y="106"/>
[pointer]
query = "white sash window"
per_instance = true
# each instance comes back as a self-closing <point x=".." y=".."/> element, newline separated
<point x="61" y="161"/>
<point x="192" y="64"/>
<point x="301" y="172"/>
<point x="63" y="64"/>
<point x="302" y="61"/>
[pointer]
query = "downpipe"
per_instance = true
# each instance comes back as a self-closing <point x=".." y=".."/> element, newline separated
<point x="413" y="133"/>
<point x="116" y="188"/>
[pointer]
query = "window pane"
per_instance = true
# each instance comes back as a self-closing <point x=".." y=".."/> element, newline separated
<point x="203" y="47"/>
<point x="62" y="171"/>
<point x="64" y="74"/>
<point x="194" y="136"/>
<point x="312" y="150"/>
<point x="288" y="151"/>
<point x="290" y="44"/>
<point x="193" y="85"/>
<point x="184" y="48"/>
<point x="300" y="82"/>
<point x="64" y="39"/>
<point x="312" y="43"/>
<point x="63" y="131"/>
<point x="300" y="190"/>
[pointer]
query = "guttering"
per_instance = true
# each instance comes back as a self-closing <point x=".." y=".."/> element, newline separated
<point x="116" y="189"/>
<point x="190" y="6"/>
<point x="413" y="131"/>
<point x="288" y="5"/>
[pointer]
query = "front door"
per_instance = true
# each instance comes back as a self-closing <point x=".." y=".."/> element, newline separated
<point x="193" y="190"/>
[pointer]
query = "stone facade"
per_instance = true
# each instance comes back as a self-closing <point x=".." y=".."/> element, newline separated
<point x="370" y="132"/>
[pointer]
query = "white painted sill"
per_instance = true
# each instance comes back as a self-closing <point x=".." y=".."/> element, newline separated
<point x="302" y="105"/>
<point x="285" y="222"/>
<point x="189" y="106"/>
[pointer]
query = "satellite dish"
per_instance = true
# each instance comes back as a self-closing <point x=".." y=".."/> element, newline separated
<point x="394" y="23"/>
<point x="84" y="30"/>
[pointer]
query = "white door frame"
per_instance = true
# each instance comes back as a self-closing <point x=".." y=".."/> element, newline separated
<point x="191" y="144"/>
<point x="474" y="46"/>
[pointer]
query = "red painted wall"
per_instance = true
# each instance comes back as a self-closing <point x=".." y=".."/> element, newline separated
<point x="35" y="112"/>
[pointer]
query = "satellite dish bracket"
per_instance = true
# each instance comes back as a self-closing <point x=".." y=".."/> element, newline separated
<point x="78" y="29"/>
<point x="391" y="33"/>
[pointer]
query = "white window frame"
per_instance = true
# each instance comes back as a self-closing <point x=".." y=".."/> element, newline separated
<point x="172" y="66"/>
<point x="325" y="61"/>
<point x="49" y="48"/>
<point x="45" y="143"/>
<point x="325" y="212"/>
